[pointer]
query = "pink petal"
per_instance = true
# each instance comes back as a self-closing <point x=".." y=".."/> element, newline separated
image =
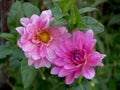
<point x="95" y="59"/>
<point x="36" y="53"/>
<point x="20" y="30"/>
<point x="88" y="72"/>
<point x="37" y="63"/>
<point x="50" y="54"/>
<point x="25" y="21"/>
<point x="28" y="46"/>
<point x="55" y="70"/>
<point x="58" y="31"/>
<point x="35" y="18"/>
<point x="63" y="72"/>
<point x="30" y="61"/>
<point x="31" y="28"/>
<point x="77" y="73"/>
<point x="90" y="45"/>
<point x="69" y="66"/>
<point x="90" y="34"/>
<point x="45" y="62"/>
<point x="45" y="19"/>
<point x="42" y="63"/>
<point x="70" y="79"/>
<point x="59" y="62"/>
<point x="42" y="51"/>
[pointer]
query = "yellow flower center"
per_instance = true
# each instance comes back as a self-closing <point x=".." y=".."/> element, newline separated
<point x="43" y="36"/>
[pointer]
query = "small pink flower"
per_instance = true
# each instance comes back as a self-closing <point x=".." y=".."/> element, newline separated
<point x="39" y="40"/>
<point x="76" y="56"/>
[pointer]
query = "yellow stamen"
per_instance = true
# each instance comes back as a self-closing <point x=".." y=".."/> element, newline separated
<point x="43" y="35"/>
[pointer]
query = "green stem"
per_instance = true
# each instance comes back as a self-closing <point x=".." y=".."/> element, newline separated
<point x="42" y="75"/>
<point x="80" y="84"/>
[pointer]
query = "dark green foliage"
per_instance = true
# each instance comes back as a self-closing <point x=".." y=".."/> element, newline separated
<point x="74" y="14"/>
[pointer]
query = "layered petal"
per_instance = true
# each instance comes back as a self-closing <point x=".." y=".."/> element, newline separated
<point x="88" y="72"/>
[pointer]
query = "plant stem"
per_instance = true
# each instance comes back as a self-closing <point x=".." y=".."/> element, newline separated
<point x="42" y="75"/>
<point x="80" y="84"/>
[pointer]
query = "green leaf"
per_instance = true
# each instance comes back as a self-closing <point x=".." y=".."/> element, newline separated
<point x="93" y="24"/>
<point x="4" y="51"/>
<point x="16" y="12"/>
<point x="28" y="73"/>
<point x="114" y="20"/>
<point x="8" y="36"/>
<point x="97" y="2"/>
<point x="87" y="9"/>
<point x="76" y="19"/>
<point x="57" y="13"/>
<point x="30" y="9"/>
<point x="66" y="5"/>
<point x="59" y="22"/>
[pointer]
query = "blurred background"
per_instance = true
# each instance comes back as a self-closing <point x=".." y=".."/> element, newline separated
<point x="108" y="42"/>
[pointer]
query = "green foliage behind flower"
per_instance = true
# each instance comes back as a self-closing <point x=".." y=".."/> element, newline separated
<point x="74" y="14"/>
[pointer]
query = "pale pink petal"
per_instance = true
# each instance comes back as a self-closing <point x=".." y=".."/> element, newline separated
<point x="43" y="51"/>
<point x="30" y="61"/>
<point x="35" y="18"/>
<point x="55" y="70"/>
<point x="36" y="53"/>
<point x="20" y="30"/>
<point x="88" y="72"/>
<point x="70" y="79"/>
<point x="45" y="19"/>
<point x="90" y="34"/>
<point x="50" y="54"/>
<point x="28" y="46"/>
<point x="32" y="28"/>
<point x="58" y="31"/>
<point x="25" y="21"/>
<point x="64" y="72"/>
<point x="37" y="63"/>
<point x="45" y="63"/>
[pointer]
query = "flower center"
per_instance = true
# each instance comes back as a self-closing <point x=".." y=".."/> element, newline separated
<point x="78" y="56"/>
<point x="43" y="36"/>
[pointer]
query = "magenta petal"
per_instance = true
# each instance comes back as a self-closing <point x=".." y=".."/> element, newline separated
<point x="77" y="73"/>
<point x="63" y="72"/>
<point x="90" y="34"/>
<point x="96" y="59"/>
<point x="20" y="30"/>
<point x="88" y="72"/>
<point x="69" y="66"/>
<point x="25" y="21"/>
<point x="70" y="79"/>
<point x="90" y="45"/>
<point x="55" y="70"/>
<point x="59" y="62"/>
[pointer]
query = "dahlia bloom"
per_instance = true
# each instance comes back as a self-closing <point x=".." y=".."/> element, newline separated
<point x="76" y="56"/>
<point x="38" y="40"/>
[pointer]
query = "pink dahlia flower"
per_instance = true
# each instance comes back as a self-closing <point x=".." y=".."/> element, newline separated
<point x="39" y="40"/>
<point x="76" y="56"/>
